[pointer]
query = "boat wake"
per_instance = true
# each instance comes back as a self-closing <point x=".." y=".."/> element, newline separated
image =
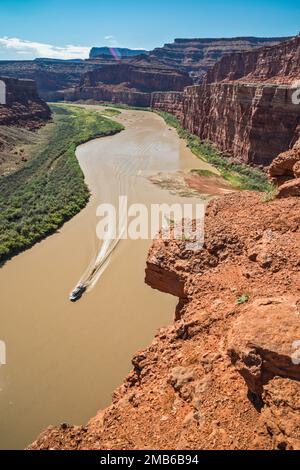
<point x="120" y="179"/>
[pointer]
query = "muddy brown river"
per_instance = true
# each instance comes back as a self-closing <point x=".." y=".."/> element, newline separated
<point x="63" y="359"/>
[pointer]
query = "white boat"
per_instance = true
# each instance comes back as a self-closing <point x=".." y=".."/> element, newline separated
<point x="77" y="292"/>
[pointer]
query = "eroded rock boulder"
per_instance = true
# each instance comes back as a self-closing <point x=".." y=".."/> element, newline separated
<point x="261" y="342"/>
<point x="289" y="189"/>
<point x="281" y="413"/>
<point x="284" y="172"/>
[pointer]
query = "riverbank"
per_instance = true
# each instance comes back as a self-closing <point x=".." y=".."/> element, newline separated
<point x="240" y="176"/>
<point x="64" y="360"/>
<point x="49" y="189"/>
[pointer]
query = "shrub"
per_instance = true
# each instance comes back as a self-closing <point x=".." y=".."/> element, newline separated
<point x="49" y="189"/>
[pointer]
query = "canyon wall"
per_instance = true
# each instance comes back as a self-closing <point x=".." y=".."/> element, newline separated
<point x="109" y="94"/>
<point x="145" y="78"/>
<point x="51" y="76"/>
<point x="279" y="64"/>
<point x="170" y="102"/>
<point x="22" y="105"/>
<point x="251" y="121"/>
<point x="129" y="83"/>
<point x="198" y="55"/>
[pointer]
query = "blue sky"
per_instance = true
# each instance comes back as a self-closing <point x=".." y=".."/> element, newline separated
<point x="68" y="28"/>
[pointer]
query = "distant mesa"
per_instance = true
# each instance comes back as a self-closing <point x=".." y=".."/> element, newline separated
<point x="192" y="56"/>
<point x="51" y="59"/>
<point x="198" y="55"/>
<point x="115" y="52"/>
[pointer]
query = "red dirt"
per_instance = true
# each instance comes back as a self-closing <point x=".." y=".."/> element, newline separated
<point x="222" y="376"/>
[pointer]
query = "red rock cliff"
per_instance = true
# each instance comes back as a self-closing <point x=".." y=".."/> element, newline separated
<point x="276" y="64"/>
<point x="198" y="55"/>
<point x="253" y="122"/>
<point x="129" y="82"/>
<point x="23" y="106"/>
<point x="226" y="374"/>
<point x="51" y="76"/>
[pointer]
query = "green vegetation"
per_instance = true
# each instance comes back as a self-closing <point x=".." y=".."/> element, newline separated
<point x="110" y="112"/>
<point x="205" y="173"/>
<point x="270" y="193"/>
<point x="240" y="176"/>
<point x="126" y="106"/>
<point x="243" y="299"/>
<point x="49" y="189"/>
<point x="13" y="136"/>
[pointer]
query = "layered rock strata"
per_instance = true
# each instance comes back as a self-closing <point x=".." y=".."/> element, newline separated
<point x="199" y="55"/>
<point x="20" y="104"/>
<point x="51" y="76"/>
<point x="278" y="64"/>
<point x="251" y="122"/>
<point x="128" y="82"/>
<point x="284" y="171"/>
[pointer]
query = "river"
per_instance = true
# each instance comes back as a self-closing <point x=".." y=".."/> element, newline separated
<point x="63" y="359"/>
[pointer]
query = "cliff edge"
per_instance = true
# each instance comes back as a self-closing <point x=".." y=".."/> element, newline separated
<point x="226" y="374"/>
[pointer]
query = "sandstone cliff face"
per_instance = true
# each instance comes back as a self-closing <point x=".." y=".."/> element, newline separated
<point x="226" y="374"/>
<point x="198" y="55"/>
<point x="130" y="83"/>
<point x="110" y="94"/>
<point x="143" y="78"/>
<point x="23" y="106"/>
<point x="246" y="118"/>
<point x="277" y="64"/>
<point x="50" y="76"/>
<point x="253" y="123"/>
<point x="171" y="102"/>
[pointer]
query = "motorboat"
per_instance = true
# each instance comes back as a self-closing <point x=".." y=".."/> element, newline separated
<point x="77" y="292"/>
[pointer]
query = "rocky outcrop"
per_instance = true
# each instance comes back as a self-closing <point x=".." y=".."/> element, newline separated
<point x="198" y="55"/>
<point x="128" y="82"/>
<point x="290" y="188"/>
<point x="252" y="123"/>
<point x="277" y="64"/>
<point x="225" y="375"/>
<point x="21" y="104"/>
<point x="281" y="415"/>
<point x="284" y="171"/>
<point x="259" y="349"/>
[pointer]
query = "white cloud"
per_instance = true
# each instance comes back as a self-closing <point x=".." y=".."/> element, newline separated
<point x="38" y="49"/>
<point x="112" y="41"/>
